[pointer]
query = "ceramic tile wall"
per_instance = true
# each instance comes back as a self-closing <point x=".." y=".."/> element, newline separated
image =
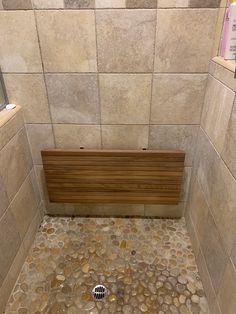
<point x="20" y="206"/>
<point x="211" y="209"/>
<point x="109" y="74"/>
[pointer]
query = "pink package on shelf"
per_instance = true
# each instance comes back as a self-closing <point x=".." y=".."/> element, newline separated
<point x="225" y="33"/>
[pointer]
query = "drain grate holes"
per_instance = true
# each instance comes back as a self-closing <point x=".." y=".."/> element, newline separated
<point x="99" y="292"/>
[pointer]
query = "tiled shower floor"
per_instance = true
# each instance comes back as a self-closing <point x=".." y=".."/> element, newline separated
<point x="147" y="265"/>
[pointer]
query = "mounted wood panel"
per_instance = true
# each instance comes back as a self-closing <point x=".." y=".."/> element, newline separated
<point x="103" y="176"/>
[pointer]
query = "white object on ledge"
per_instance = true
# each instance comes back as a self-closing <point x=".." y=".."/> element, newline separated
<point x="10" y="106"/>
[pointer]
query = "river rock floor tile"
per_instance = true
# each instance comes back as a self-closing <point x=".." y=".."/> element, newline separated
<point x="147" y="265"/>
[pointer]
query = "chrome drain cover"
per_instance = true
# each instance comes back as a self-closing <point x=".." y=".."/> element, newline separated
<point x="99" y="292"/>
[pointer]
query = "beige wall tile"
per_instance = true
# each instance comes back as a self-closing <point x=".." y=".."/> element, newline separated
<point x="185" y="184"/>
<point x="3" y="197"/>
<point x="110" y="4"/>
<point x="216" y="111"/>
<point x="174" y="137"/>
<point x="10" y="280"/>
<point x="75" y="136"/>
<point x="207" y="284"/>
<point x="224" y="75"/>
<point x="192" y="233"/>
<point x="233" y="255"/>
<point x="18" y="54"/>
<point x="125" y="98"/>
<point x="227" y="290"/>
<point x="15" y="163"/>
<point x="48" y="4"/>
<point x="29" y="91"/>
<point x="229" y="147"/>
<point x="223" y="202"/>
<point x="167" y="211"/>
<point x="24" y="206"/>
<point x="10" y="242"/>
<point x="204" y="3"/>
<point x="198" y="208"/>
<point x="206" y="159"/>
<point x="17" y="4"/>
<point x="72" y="35"/>
<point x="10" y="128"/>
<point x="73" y="98"/>
<point x="40" y="137"/>
<point x="218" y="32"/>
<point x="194" y="52"/>
<point x="213" y="252"/>
<point x="172" y="3"/>
<point x="177" y="98"/>
<point x="81" y="4"/>
<point x="125" y="40"/>
<point x="141" y="4"/>
<point x="124" y="136"/>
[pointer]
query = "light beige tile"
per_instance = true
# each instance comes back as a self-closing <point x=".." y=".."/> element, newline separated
<point x="73" y="98"/>
<point x="71" y="34"/>
<point x="17" y="4"/>
<point x="10" y="242"/>
<point x="29" y="91"/>
<point x="40" y="137"/>
<point x="214" y="253"/>
<point x="227" y="290"/>
<point x="24" y="206"/>
<point x="207" y="284"/>
<point x="177" y="98"/>
<point x="125" y="98"/>
<point x="167" y="211"/>
<point x="198" y="208"/>
<point x="233" y="255"/>
<point x="75" y="136"/>
<point x="216" y="111"/>
<point x="31" y="232"/>
<point x="186" y="183"/>
<point x="81" y="4"/>
<point x="15" y="163"/>
<point x="141" y="4"/>
<point x="10" y="280"/>
<point x="172" y="3"/>
<point x="229" y="147"/>
<point x="204" y="3"/>
<point x="223" y="202"/>
<point x="125" y="40"/>
<point x="10" y="128"/>
<point x="48" y="4"/>
<point x="206" y="159"/>
<point x="184" y="48"/>
<point x="110" y="4"/>
<point x="218" y="32"/>
<point x="18" y="54"/>
<point x="226" y="76"/>
<point x="192" y="233"/>
<point x="174" y="137"/>
<point x="124" y="136"/>
<point x="3" y="197"/>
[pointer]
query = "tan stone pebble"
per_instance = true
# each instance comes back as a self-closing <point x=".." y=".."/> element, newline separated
<point x="182" y="299"/>
<point x="143" y="307"/>
<point x="182" y="280"/>
<point x="195" y="298"/>
<point x="60" y="278"/>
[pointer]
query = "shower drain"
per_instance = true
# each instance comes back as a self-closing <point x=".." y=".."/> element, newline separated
<point x="99" y="292"/>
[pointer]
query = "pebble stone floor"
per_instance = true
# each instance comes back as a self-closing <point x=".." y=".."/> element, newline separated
<point x="147" y="265"/>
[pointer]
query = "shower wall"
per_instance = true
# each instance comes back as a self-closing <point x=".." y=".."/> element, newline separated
<point x="109" y="74"/>
<point x="20" y="205"/>
<point x="211" y="210"/>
